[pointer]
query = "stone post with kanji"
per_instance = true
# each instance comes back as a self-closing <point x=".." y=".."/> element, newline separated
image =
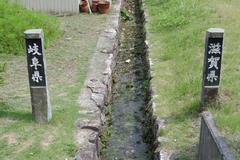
<point x="212" y="66"/>
<point x="41" y="108"/>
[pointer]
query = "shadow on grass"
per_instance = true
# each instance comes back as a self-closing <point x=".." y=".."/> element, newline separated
<point x="191" y="111"/>
<point x="7" y="112"/>
<point x="190" y="153"/>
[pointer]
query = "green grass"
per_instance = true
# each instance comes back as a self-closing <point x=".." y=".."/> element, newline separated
<point x="67" y="62"/>
<point x="177" y="31"/>
<point x="14" y="20"/>
<point x="2" y="68"/>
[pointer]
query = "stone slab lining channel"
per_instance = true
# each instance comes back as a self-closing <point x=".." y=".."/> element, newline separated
<point x="117" y="95"/>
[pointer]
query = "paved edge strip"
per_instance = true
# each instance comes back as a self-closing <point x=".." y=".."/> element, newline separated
<point x="96" y="92"/>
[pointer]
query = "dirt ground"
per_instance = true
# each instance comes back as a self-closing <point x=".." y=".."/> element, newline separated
<point x="64" y="58"/>
<point x="67" y="64"/>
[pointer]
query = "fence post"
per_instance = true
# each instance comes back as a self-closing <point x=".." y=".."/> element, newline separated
<point x="212" y="66"/>
<point x="41" y="108"/>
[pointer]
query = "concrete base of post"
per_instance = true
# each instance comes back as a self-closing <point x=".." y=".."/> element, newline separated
<point x="41" y="108"/>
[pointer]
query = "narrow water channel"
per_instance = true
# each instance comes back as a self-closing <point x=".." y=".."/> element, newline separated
<point x="125" y="141"/>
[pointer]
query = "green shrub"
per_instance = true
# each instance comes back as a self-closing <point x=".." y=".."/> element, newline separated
<point x="14" y="20"/>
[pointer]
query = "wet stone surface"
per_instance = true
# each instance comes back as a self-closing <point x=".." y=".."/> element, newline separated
<point x="125" y="141"/>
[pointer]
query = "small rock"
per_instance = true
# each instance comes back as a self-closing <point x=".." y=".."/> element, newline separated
<point x="150" y="62"/>
<point x="128" y="61"/>
<point x="107" y="71"/>
<point x="146" y="42"/>
<point x="68" y="38"/>
<point x="104" y="51"/>
<point x="110" y="30"/>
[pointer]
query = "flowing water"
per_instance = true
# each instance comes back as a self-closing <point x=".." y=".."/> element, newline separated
<point x="130" y="78"/>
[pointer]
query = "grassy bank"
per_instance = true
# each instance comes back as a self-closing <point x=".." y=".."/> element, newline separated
<point x="14" y="20"/>
<point x="67" y="64"/>
<point x="2" y="68"/>
<point x="177" y="31"/>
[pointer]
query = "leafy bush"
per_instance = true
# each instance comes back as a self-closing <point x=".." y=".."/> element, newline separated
<point x="14" y="20"/>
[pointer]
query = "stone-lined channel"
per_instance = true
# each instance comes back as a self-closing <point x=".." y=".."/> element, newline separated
<point x="125" y="130"/>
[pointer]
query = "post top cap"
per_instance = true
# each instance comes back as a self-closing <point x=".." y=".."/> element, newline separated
<point x="33" y="33"/>
<point x="216" y="30"/>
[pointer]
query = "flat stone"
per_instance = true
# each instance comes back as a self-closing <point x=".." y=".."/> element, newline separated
<point x="104" y="51"/>
<point x="166" y="155"/>
<point x="87" y="153"/>
<point x="105" y="79"/>
<point x="107" y="71"/>
<point x="98" y="99"/>
<point x="82" y="135"/>
<point x="89" y="111"/>
<point x="115" y="22"/>
<point x="110" y="30"/>
<point x="94" y="125"/>
<point x="87" y="105"/>
<point x="96" y="87"/>
<point x="93" y="138"/>
<point x="106" y="44"/>
<point x="108" y="62"/>
<point x="102" y="117"/>
<point x="150" y="62"/>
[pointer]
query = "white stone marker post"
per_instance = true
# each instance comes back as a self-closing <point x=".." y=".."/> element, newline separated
<point x="212" y="66"/>
<point x="41" y="108"/>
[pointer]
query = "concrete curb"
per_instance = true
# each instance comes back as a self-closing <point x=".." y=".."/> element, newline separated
<point x="212" y="145"/>
<point x="97" y="87"/>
